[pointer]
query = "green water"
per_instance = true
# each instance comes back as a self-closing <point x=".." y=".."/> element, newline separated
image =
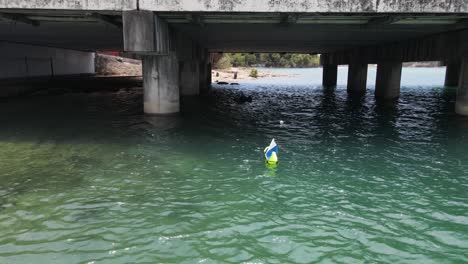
<point x="86" y="178"/>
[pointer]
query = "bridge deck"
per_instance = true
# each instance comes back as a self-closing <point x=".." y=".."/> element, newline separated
<point x="303" y="6"/>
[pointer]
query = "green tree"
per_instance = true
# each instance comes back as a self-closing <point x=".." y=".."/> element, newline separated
<point x="250" y="59"/>
<point x="253" y="73"/>
<point x="223" y="63"/>
<point x="238" y="59"/>
<point x="268" y="59"/>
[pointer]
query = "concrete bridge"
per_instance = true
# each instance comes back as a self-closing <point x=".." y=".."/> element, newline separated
<point x="175" y="39"/>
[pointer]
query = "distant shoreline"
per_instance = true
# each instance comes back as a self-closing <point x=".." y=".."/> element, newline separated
<point x="227" y="75"/>
<point x="243" y="73"/>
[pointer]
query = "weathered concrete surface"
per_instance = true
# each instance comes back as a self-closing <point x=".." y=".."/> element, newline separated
<point x="145" y="33"/>
<point x="306" y="6"/>
<point x="204" y="71"/>
<point x="161" y="84"/>
<point x="110" y="65"/>
<point x="25" y="61"/>
<point x="387" y="85"/>
<point x="71" y="4"/>
<point x="189" y="78"/>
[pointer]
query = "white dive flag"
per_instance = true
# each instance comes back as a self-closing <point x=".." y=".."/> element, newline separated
<point x="271" y="152"/>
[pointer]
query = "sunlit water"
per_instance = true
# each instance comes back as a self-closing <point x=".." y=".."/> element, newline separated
<point x="87" y="178"/>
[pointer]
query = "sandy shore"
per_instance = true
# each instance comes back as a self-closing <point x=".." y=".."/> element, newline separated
<point x="242" y="74"/>
<point x="108" y="65"/>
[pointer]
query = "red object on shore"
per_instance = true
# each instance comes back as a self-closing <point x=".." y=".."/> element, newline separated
<point x="114" y="53"/>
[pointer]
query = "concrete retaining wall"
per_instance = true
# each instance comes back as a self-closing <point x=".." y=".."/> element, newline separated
<point x="23" y="61"/>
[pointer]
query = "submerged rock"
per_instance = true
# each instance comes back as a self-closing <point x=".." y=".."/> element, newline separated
<point x="242" y="98"/>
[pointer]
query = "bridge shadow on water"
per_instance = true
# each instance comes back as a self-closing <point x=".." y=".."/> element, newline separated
<point x="103" y="114"/>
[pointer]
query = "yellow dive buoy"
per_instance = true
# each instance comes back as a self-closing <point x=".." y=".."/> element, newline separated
<point x="271" y="153"/>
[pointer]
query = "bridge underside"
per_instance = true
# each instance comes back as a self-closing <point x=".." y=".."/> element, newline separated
<point x="175" y="46"/>
<point x="227" y="32"/>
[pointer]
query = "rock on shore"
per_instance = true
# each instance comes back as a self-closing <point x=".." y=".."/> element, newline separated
<point x="109" y="65"/>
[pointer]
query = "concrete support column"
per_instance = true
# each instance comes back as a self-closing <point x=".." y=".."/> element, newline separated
<point x="461" y="105"/>
<point x="357" y="78"/>
<point x="388" y="81"/>
<point x="209" y="74"/>
<point x="150" y="36"/>
<point x="161" y="84"/>
<point x="204" y="64"/>
<point x="452" y="74"/>
<point x="330" y="75"/>
<point x="190" y="77"/>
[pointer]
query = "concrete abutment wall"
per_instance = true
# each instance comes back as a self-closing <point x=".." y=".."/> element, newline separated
<point x="25" y="61"/>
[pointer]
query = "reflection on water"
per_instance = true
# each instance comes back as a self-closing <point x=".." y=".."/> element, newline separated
<point x="86" y="178"/>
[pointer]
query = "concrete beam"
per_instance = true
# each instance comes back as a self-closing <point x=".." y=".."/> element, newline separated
<point x="146" y="33"/>
<point x="303" y="6"/>
<point x="439" y="47"/>
<point x="26" y="61"/>
<point x="109" y="20"/>
<point x="388" y="81"/>
<point x="19" y="18"/>
<point x="386" y="20"/>
<point x="306" y="6"/>
<point x="288" y="19"/>
<point x="195" y="19"/>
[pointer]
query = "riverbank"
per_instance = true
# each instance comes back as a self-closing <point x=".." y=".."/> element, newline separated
<point x="109" y="65"/>
<point x="228" y="75"/>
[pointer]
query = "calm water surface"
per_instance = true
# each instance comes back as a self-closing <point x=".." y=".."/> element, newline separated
<point x="86" y="178"/>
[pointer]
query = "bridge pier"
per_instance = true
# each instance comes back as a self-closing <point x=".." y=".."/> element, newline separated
<point x="205" y="69"/>
<point x="173" y="64"/>
<point x="149" y="36"/>
<point x="189" y="78"/>
<point x="452" y="74"/>
<point x="388" y="81"/>
<point x="330" y="75"/>
<point x="193" y="62"/>
<point x="210" y="76"/>
<point x="161" y="84"/>
<point x="357" y="77"/>
<point x="461" y="105"/>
